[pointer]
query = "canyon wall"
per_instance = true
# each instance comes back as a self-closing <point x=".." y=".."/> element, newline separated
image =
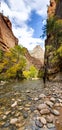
<point x="7" y="38"/>
<point x="53" y="43"/>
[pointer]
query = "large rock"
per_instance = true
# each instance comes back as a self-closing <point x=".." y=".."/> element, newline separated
<point x="7" y="38"/>
<point x="53" y="62"/>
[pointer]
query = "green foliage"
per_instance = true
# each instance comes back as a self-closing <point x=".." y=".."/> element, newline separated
<point x="1" y="55"/>
<point x="31" y="73"/>
<point x="59" y="51"/>
<point x="13" y="63"/>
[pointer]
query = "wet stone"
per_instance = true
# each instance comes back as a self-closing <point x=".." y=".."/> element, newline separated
<point x="32" y="108"/>
<point x="55" y="112"/>
<point x="49" y="103"/>
<point x="6" y="124"/>
<point x="43" y="120"/>
<point x="25" y="114"/>
<point x="13" y="121"/>
<point x="41" y="106"/>
<point x="38" y="123"/>
<point x="50" y="125"/>
<point x="44" y="111"/>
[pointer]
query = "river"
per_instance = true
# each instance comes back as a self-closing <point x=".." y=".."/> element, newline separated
<point x="18" y="103"/>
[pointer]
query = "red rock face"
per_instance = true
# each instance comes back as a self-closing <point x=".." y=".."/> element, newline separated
<point x="51" y="8"/>
<point x="7" y="38"/>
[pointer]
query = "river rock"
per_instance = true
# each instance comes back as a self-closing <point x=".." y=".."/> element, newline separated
<point x="25" y="114"/>
<point x="36" y="99"/>
<point x="14" y="104"/>
<point x="38" y="123"/>
<point x="4" y="117"/>
<point x="42" y="106"/>
<point x="50" y="118"/>
<point x="7" y="112"/>
<point x="43" y="120"/>
<point x="42" y="96"/>
<point x="13" y="121"/>
<point x="55" y="112"/>
<point x="49" y="103"/>
<point x="52" y="99"/>
<point x="50" y="125"/>
<point x="27" y="91"/>
<point x="44" y="111"/>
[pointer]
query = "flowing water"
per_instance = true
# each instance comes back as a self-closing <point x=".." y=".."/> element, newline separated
<point x="18" y="100"/>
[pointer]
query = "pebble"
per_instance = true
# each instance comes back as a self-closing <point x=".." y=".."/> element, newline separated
<point x="14" y="104"/>
<point x="44" y="111"/>
<point x="13" y="121"/>
<point x="43" y="120"/>
<point x="42" y="96"/>
<point x="49" y="103"/>
<point x="55" y="112"/>
<point x="38" y="123"/>
<point x="41" y="106"/>
<point x="50" y="125"/>
<point x="50" y="118"/>
<point x="52" y="99"/>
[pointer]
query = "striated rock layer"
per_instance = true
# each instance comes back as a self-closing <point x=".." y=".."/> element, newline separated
<point x="38" y="53"/>
<point x="7" y="38"/>
<point x="53" y="64"/>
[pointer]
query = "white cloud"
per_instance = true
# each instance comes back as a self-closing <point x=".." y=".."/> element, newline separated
<point x="19" y="12"/>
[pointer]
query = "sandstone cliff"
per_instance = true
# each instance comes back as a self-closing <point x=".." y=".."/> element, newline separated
<point x="31" y="60"/>
<point x="53" y="43"/>
<point x="38" y="53"/>
<point x="7" y="38"/>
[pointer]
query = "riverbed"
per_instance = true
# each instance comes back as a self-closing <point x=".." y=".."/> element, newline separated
<point x="19" y="103"/>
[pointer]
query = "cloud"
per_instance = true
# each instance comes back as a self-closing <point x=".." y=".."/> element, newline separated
<point x="19" y="12"/>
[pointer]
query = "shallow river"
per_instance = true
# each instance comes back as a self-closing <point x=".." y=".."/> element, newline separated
<point x="18" y="100"/>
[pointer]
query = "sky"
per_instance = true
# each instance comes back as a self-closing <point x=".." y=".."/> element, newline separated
<point x="28" y="18"/>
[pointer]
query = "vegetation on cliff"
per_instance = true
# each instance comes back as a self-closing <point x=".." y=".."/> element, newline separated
<point x="13" y="65"/>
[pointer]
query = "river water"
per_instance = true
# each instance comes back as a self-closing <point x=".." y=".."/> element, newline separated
<point x="18" y="100"/>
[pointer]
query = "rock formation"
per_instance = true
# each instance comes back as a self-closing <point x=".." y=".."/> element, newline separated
<point x="7" y="38"/>
<point x="53" y="43"/>
<point x="31" y="60"/>
<point x="38" y="53"/>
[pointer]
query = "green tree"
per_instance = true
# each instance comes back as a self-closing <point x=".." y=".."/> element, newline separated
<point x="13" y="63"/>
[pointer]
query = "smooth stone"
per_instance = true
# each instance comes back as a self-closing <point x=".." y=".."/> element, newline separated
<point x="60" y="100"/>
<point x="41" y="106"/>
<point x="13" y="121"/>
<point x="55" y="112"/>
<point x="49" y="103"/>
<point x="25" y="114"/>
<point x="50" y="118"/>
<point x="6" y="124"/>
<point x="4" y="117"/>
<point x="38" y="123"/>
<point x="32" y="108"/>
<point x="43" y="120"/>
<point x="27" y="91"/>
<point x="44" y="111"/>
<point x="52" y="99"/>
<point x="57" y="104"/>
<point x="7" y="112"/>
<point x="14" y="104"/>
<point x="42" y="96"/>
<point x="50" y="125"/>
<point x="36" y="99"/>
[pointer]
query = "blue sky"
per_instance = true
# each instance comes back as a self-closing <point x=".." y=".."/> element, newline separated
<point x="27" y="17"/>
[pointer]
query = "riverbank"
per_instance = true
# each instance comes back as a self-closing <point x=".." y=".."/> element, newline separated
<point x="28" y="105"/>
